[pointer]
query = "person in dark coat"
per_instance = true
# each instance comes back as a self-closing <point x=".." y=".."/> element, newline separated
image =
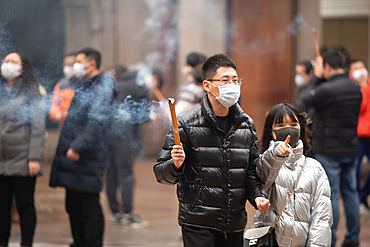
<point x="82" y="149"/>
<point x="215" y="165"/>
<point x="131" y="110"/>
<point x="22" y="121"/>
<point x="337" y="100"/>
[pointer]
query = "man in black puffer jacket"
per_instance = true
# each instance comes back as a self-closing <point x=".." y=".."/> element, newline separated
<point x="214" y="168"/>
<point x="336" y="100"/>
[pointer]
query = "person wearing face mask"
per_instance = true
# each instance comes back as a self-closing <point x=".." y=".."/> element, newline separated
<point x="215" y="165"/>
<point x="359" y="74"/>
<point x="82" y="150"/>
<point x="304" y="73"/>
<point x="283" y="146"/>
<point x="337" y="100"/>
<point x="22" y="121"/>
<point x="63" y="91"/>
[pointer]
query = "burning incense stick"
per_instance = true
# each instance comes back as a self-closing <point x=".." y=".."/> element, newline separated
<point x="171" y="103"/>
<point x="317" y="47"/>
<point x="158" y="94"/>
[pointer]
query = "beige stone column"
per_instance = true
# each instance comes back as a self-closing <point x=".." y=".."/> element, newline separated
<point x="310" y="11"/>
<point x="202" y="28"/>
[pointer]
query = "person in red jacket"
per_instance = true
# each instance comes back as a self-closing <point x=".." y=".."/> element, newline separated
<point x="359" y="74"/>
<point x="63" y="91"/>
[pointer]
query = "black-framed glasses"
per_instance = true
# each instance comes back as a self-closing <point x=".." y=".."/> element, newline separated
<point x="224" y="81"/>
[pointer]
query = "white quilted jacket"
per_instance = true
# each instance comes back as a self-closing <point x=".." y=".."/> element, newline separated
<point x="307" y="219"/>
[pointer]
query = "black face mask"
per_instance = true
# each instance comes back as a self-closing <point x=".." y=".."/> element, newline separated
<point x="281" y="135"/>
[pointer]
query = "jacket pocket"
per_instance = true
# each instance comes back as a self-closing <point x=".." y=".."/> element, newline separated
<point x="198" y="190"/>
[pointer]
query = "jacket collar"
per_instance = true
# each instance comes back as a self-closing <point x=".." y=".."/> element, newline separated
<point x="337" y="76"/>
<point x="16" y="87"/>
<point x="83" y="83"/>
<point x="236" y="113"/>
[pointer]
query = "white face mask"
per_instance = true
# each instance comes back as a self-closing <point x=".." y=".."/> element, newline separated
<point x="358" y="72"/>
<point x="299" y="81"/>
<point x="229" y="94"/>
<point x="10" y="71"/>
<point x="68" y="71"/>
<point x="79" y="70"/>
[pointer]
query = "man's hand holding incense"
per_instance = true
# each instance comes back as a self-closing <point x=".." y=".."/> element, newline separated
<point x="178" y="156"/>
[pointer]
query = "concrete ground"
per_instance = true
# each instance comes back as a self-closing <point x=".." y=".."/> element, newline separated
<point x="154" y="202"/>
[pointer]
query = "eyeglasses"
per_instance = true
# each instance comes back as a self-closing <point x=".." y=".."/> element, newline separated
<point x="224" y="81"/>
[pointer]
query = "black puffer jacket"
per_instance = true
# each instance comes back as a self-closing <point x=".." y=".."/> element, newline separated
<point x="219" y="172"/>
<point x="337" y="105"/>
<point x="86" y="130"/>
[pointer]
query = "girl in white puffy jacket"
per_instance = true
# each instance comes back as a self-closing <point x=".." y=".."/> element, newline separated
<point x="307" y="219"/>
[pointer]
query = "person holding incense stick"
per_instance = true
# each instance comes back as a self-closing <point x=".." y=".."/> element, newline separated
<point x="337" y="100"/>
<point x="214" y="166"/>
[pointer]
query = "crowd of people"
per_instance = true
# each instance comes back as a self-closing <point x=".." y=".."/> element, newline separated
<point x="310" y="153"/>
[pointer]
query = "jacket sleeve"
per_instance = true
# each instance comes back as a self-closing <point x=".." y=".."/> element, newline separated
<point x="254" y="186"/>
<point x="315" y="94"/>
<point x="321" y="218"/>
<point x="164" y="169"/>
<point x="365" y="98"/>
<point x="269" y="165"/>
<point x="37" y="129"/>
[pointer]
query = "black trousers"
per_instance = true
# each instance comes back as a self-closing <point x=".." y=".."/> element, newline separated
<point x="23" y="189"/>
<point x="86" y="218"/>
<point x="199" y="237"/>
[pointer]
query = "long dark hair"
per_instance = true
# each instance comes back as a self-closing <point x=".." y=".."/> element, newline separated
<point x="276" y="116"/>
<point x="30" y="79"/>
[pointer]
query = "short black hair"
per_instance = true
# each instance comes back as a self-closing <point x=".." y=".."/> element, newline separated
<point x="211" y="65"/>
<point x="334" y="59"/>
<point x="276" y="115"/>
<point x="307" y="66"/>
<point x="195" y="58"/>
<point x="345" y="53"/>
<point x="92" y="54"/>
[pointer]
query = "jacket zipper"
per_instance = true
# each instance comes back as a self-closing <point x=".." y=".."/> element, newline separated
<point x="225" y="186"/>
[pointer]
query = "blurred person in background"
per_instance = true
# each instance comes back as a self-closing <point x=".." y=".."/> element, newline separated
<point x="346" y="56"/>
<point x="359" y="74"/>
<point x="192" y="93"/>
<point x="192" y="60"/>
<point x="337" y="100"/>
<point x="83" y="147"/>
<point x="131" y="110"/>
<point x="22" y="121"/>
<point x="63" y="91"/>
<point x="303" y="74"/>
<point x="118" y="71"/>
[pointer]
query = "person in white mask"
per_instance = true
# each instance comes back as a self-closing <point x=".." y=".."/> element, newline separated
<point x="215" y="165"/>
<point x="63" y="91"/>
<point x="82" y="150"/>
<point x="358" y="73"/>
<point x="22" y="121"/>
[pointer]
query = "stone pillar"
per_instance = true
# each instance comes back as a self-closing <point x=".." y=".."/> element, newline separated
<point x="202" y="28"/>
<point x="308" y="16"/>
<point x="89" y="23"/>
